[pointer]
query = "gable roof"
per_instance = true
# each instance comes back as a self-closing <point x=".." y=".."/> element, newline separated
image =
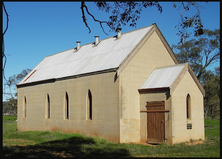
<point x="168" y="77"/>
<point x="108" y="55"/>
<point x="162" y="77"/>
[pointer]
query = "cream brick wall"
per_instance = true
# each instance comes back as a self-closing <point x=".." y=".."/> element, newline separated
<point x="180" y="132"/>
<point x="105" y="111"/>
<point x="151" y="55"/>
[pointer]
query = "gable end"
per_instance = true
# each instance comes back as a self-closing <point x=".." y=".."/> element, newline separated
<point x="167" y="46"/>
<point x="142" y="42"/>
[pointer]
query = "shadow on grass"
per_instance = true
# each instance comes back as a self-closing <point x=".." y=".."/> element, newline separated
<point x="72" y="147"/>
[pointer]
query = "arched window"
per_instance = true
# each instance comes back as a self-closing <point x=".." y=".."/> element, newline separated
<point x="48" y="106"/>
<point x="66" y="106"/>
<point x="89" y="105"/>
<point x="24" y="107"/>
<point x="188" y="109"/>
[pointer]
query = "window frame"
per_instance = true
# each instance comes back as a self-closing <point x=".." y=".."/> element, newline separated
<point x="188" y="106"/>
<point x="48" y="107"/>
<point x="24" y="107"/>
<point x="67" y="109"/>
<point x="89" y="105"/>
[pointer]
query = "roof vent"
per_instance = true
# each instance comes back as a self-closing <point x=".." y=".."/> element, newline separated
<point x="118" y="30"/>
<point x="78" y="45"/>
<point x="96" y="39"/>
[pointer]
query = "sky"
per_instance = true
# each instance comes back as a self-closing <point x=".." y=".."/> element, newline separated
<point x="39" y="29"/>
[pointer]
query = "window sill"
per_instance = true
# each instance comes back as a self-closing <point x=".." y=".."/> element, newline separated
<point x="189" y="120"/>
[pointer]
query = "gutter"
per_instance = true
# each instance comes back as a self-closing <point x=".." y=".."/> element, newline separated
<point x="52" y="80"/>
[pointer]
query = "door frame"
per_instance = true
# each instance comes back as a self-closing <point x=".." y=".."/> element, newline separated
<point x="159" y="118"/>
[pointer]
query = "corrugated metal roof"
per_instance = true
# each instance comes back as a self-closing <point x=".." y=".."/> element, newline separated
<point x="162" y="77"/>
<point x="108" y="54"/>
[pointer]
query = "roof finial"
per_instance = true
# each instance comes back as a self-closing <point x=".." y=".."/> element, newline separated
<point x="118" y="30"/>
<point x="78" y="45"/>
<point x="96" y="39"/>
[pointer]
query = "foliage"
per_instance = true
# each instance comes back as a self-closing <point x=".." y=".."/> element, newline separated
<point x="212" y="89"/>
<point x="200" y="53"/>
<point x="10" y="106"/>
<point x="187" y="22"/>
<point x="125" y="12"/>
<point x="128" y="12"/>
<point x="122" y="12"/>
<point x="58" y="144"/>
<point x="12" y="81"/>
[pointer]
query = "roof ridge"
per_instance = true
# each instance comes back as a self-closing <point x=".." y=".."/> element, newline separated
<point x="137" y="29"/>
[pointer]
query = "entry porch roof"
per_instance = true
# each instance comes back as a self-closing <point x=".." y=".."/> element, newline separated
<point x="167" y="78"/>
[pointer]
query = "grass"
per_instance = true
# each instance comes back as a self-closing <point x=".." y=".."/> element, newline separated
<point x="212" y="127"/>
<point x="9" y="118"/>
<point x="39" y="144"/>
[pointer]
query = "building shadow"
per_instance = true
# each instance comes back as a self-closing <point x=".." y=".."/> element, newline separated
<point x="68" y="148"/>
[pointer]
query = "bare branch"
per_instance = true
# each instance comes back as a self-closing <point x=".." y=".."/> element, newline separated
<point x="96" y="20"/>
<point x="6" y="17"/>
<point x="212" y="59"/>
<point x="83" y="15"/>
<point x="3" y="44"/>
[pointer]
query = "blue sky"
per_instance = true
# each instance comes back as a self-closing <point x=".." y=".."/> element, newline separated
<point x="39" y="29"/>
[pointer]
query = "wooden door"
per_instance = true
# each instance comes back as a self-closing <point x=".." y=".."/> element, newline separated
<point x="155" y="122"/>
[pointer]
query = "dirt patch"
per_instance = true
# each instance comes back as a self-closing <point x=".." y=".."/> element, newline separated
<point x="194" y="142"/>
<point x="154" y="145"/>
<point x="55" y="128"/>
<point x="143" y="143"/>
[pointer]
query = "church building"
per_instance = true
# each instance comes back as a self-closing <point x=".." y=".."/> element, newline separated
<point x="126" y="88"/>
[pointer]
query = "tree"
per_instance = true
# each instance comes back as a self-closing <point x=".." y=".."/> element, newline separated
<point x="12" y="81"/>
<point x="10" y="105"/>
<point x="212" y="89"/>
<point x="200" y="52"/>
<point x="128" y="12"/>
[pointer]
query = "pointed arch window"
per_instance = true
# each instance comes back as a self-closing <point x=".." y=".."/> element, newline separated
<point x="188" y="107"/>
<point x="66" y="106"/>
<point x="24" y="107"/>
<point x="48" y="106"/>
<point x="89" y="105"/>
